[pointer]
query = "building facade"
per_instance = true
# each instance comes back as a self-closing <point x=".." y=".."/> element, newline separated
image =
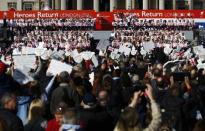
<point x="22" y="4"/>
<point x="101" y="5"/>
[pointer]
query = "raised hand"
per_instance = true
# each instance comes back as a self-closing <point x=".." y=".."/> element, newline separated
<point x="149" y="92"/>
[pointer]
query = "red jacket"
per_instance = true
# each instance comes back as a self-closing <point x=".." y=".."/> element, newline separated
<point x="53" y="125"/>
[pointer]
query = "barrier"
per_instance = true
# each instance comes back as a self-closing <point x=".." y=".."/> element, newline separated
<point x="104" y="19"/>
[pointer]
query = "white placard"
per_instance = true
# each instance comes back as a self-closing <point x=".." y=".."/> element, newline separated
<point x="91" y="76"/>
<point x="16" y="51"/>
<point x="74" y="53"/>
<point x="21" y="77"/>
<point x="30" y="51"/>
<point x="126" y="51"/>
<point x="95" y="61"/>
<point x="41" y="44"/>
<point x="148" y="46"/>
<point x="24" y="60"/>
<point x="78" y="58"/>
<point x="102" y="45"/>
<point x="58" y="55"/>
<point x="40" y="51"/>
<point x="167" y="50"/>
<point x="87" y="55"/>
<point x="56" y="67"/>
<point x="50" y="84"/>
<point x="200" y="65"/>
<point x="113" y="55"/>
<point x="121" y="49"/>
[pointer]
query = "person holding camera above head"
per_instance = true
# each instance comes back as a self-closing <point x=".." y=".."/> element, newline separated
<point x="129" y="119"/>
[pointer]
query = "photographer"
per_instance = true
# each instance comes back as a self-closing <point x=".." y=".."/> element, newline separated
<point x="129" y="119"/>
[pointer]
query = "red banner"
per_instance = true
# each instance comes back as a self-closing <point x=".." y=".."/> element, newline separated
<point x="49" y="14"/>
<point x="165" y="13"/>
<point x="92" y="13"/>
<point x="103" y="19"/>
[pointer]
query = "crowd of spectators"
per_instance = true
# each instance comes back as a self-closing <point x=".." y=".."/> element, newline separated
<point x="24" y="25"/>
<point x="65" y="40"/>
<point x="55" y="34"/>
<point x="131" y="93"/>
<point x="158" y="37"/>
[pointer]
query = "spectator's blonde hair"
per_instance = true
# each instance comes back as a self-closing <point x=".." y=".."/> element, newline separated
<point x="36" y="109"/>
<point x="128" y="121"/>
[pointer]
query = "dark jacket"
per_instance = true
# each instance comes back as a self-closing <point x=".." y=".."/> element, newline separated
<point x="173" y="111"/>
<point x="40" y="75"/>
<point x="37" y="125"/>
<point x="14" y="123"/>
<point x="64" y="93"/>
<point x="115" y="103"/>
<point x="7" y="84"/>
<point x="96" y="119"/>
<point x="116" y="92"/>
